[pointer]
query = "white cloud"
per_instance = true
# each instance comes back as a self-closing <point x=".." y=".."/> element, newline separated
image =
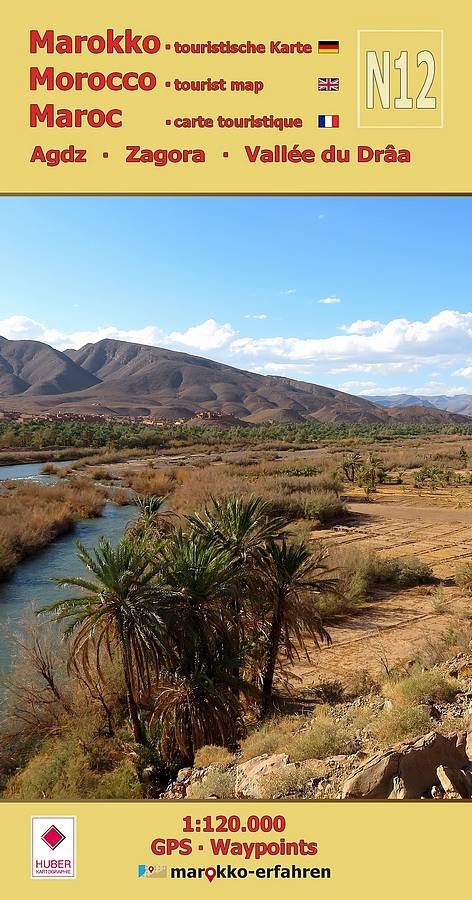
<point x="148" y="335"/>
<point x="261" y="316"/>
<point x="274" y="368"/>
<point x="383" y="368"/>
<point x="209" y="335"/>
<point x="463" y="373"/>
<point x="361" y="326"/>
<point x="23" y="328"/>
<point x="445" y="337"/>
<point x="358" y="386"/>
<point x="20" y="328"/>
<point x="290" y="291"/>
<point x="430" y="389"/>
<point x="328" y="301"/>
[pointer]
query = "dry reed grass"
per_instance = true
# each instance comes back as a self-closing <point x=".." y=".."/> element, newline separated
<point x="32" y="515"/>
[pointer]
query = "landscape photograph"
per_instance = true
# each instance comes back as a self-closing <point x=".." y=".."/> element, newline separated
<point x="235" y="498"/>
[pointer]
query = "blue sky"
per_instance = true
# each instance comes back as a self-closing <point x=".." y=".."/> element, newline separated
<point x="372" y="295"/>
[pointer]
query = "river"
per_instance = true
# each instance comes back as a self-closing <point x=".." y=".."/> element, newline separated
<point x="32" y="583"/>
<point x="30" y="472"/>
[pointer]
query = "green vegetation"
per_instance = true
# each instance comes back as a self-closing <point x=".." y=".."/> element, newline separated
<point x="180" y="641"/>
<point x="412" y="698"/>
<point x="361" y="574"/>
<point x="215" y="784"/>
<point x="366" y="473"/>
<point x="402" y="723"/>
<point x="433" y="476"/>
<point x="321" y="739"/>
<point x="285" y="782"/>
<point x="422" y="687"/>
<point x="38" y="434"/>
<point x="64" y="770"/>
<point x="364" y="572"/>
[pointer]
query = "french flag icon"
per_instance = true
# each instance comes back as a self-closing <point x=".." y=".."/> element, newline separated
<point x="328" y="121"/>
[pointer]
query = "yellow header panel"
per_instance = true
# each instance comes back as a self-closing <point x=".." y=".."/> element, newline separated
<point x="245" y="98"/>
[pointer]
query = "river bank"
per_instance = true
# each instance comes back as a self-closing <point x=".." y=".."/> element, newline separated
<point x="32" y="584"/>
<point x="52" y="515"/>
<point x="13" y="457"/>
<point x="33" y="514"/>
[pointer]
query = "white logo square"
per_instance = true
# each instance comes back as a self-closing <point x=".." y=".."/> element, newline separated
<point x="53" y="847"/>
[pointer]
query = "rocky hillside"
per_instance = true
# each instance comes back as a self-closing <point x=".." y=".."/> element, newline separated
<point x="116" y="377"/>
<point x="436" y="765"/>
<point x="32" y="369"/>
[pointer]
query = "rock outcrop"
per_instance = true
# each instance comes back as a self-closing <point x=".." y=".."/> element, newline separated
<point x="410" y="770"/>
<point x="250" y="773"/>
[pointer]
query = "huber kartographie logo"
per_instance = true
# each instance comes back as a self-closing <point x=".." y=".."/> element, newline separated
<point x="53" y="847"/>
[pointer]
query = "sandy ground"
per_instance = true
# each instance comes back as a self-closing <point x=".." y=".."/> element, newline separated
<point x="396" y="628"/>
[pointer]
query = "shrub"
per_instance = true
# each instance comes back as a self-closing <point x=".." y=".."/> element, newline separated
<point x="61" y="770"/>
<point x="102" y="475"/>
<point x="214" y="784"/>
<point x="32" y="515"/>
<point x="363" y="572"/>
<point x="423" y="687"/>
<point x="361" y="684"/>
<point x="409" y="570"/>
<point x="49" y="469"/>
<point x="121" y="783"/>
<point x="324" y="506"/>
<point x="464" y="577"/>
<point x="271" y="738"/>
<point x="151" y="482"/>
<point x="402" y="723"/>
<point x="210" y="755"/>
<point x="7" y="560"/>
<point x="285" y="782"/>
<point x="323" y="738"/>
<point x="330" y="692"/>
<point x="333" y="606"/>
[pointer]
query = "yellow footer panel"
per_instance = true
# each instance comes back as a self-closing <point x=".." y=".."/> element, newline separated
<point x="328" y="849"/>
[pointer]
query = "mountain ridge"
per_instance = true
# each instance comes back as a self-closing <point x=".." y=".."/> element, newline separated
<point x="112" y="377"/>
<point x="455" y="403"/>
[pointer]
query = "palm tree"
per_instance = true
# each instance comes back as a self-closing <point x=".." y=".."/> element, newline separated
<point x="198" y="699"/>
<point x="116" y="611"/>
<point x="371" y="473"/>
<point x="196" y="580"/>
<point x="243" y="527"/>
<point x="199" y="706"/>
<point x="350" y="465"/>
<point x="295" y="577"/>
<point x="154" y="519"/>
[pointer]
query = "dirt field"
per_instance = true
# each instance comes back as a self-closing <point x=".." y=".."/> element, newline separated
<point x="398" y="627"/>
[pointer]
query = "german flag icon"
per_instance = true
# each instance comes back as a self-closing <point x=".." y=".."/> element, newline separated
<point x="328" y="46"/>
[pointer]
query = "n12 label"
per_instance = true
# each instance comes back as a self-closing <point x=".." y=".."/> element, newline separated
<point x="400" y="76"/>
